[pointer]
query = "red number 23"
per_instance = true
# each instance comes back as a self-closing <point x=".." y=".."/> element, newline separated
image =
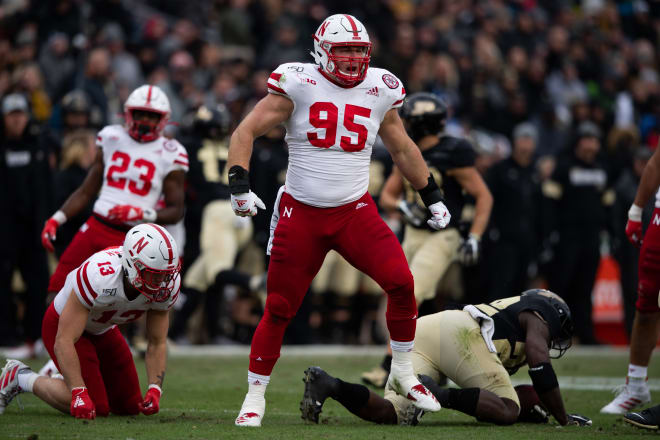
<point x="120" y="163"/>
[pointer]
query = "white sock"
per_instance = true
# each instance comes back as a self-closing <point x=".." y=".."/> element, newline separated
<point x="26" y="380"/>
<point x="637" y="372"/>
<point x="257" y="384"/>
<point x="401" y="353"/>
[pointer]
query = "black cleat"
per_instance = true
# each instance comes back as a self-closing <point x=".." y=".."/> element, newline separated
<point x="318" y="387"/>
<point x="647" y="419"/>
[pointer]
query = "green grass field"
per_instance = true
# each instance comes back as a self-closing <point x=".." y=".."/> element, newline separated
<point x="203" y="394"/>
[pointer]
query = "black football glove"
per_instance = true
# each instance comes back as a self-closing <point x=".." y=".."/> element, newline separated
<point x="578" y="420"/>
<point x="535" y="415"/>
<point x="412" y="213"/>
<point x="468" y="252"/>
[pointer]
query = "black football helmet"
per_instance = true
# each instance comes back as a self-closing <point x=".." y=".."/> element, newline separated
<point x="424" y="114"/>
<point x="212" y="122"/>
<point x="559" y="319"/>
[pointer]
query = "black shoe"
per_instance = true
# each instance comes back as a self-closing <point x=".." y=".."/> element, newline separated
<point x="318" y="387"/>
<point x="647" y="419"/>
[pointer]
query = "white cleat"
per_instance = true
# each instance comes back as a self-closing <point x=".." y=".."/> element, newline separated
<point x="409" y="386"/>
<point x="9" y="382"/>
<point x="252" y="411"/>
<point x="627" y="398"/>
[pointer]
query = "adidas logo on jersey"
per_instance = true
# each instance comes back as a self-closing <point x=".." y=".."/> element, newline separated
<point x="360" y="205"/>
<point x="373" y="91"/>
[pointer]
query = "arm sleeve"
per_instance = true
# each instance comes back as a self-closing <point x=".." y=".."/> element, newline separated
<point x="178" y="156"/>
<point x="279" y="82"/>
<point x="84" y="286"/>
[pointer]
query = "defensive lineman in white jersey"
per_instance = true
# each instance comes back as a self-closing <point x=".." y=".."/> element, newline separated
<point x="332" y="110"/>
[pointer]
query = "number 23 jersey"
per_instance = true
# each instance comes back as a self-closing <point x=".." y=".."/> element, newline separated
<point x="98" y="284"/>
<point x="134" y="172"/>
<point x="332" y="130"/>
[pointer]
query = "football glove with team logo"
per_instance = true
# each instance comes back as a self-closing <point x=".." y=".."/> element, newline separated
<point x="246" y="204"/>
<point x="82" y="406"/>
<point x="129" y="213"/>
<point x="151" y="403"/>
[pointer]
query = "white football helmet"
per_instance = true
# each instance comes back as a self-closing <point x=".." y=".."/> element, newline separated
<point x="342" y="30"/>
<point x="146" y="98"/>
<point x="150" y="258"/>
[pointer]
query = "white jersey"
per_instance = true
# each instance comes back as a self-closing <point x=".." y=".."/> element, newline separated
<point x="98" y="284"/>
<point x="134" y="171"/>
<point x="331" y="131"/>
<point x="657" y="198"/>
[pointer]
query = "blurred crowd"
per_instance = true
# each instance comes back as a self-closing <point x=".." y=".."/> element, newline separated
<point x="560" y="99"/>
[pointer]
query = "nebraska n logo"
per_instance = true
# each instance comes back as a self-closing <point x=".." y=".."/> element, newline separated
<point x="323" y="28"/>
<point x="288" y="211"/>
<point x="140" y="244"/>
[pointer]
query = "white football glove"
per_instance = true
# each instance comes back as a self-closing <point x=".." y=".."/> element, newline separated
<point x="246" y="204"/>
<point x="440" y="216"/>
<point x="468" y="252"/>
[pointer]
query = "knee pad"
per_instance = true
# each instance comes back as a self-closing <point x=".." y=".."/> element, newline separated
<point x="278" y="307"/>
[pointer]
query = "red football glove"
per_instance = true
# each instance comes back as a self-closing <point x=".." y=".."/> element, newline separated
<point x="634" y="225"/>
<point x="82" y="406"/>
<point x="48" y="234"/>
<point x="129" y="213"/>
<point x="151" y="403"/>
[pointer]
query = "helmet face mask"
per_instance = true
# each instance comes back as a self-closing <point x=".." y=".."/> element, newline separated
<point x="345" y="66"/>
<point x="151" y="261"/>
<point x="146" y="99"/>
<point x="560" y="322"/>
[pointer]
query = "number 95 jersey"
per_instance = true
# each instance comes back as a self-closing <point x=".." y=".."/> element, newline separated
<point x="331" y="131"/>
<point x="134" y="171"/>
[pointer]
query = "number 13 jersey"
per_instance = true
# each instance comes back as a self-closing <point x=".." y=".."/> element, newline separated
<point x="332" y="130"/>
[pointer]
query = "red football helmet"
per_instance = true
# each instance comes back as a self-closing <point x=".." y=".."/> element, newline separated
<point x="342" y="30"/>
<point x="147" y="99"/>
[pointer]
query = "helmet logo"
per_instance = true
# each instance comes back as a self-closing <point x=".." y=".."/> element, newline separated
<point x="323" y="28"/>
<point x="140" y="244"/>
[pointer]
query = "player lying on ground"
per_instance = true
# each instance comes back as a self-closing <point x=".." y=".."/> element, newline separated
<point x="479" y="359"/>
<point x="333" y="111"/>
<point x="114" y="286"/>
<point x="430" y="252"/>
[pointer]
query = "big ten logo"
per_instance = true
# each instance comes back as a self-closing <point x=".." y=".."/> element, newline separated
<point x="306" y="80"/>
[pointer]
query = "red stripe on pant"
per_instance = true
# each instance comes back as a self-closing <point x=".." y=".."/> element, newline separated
<point x="302" y="238"/>
<point x="106" y="365"/>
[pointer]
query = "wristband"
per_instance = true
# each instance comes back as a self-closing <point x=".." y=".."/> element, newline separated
<point x="431" y="194"/>
<point x="239" y="180"/>
<point x="543" y="377"/>
<point x="60" y="217"/>
<point x="78" y="388"/>
<point x="635" y="213"/>
<point x="153" y="385"/>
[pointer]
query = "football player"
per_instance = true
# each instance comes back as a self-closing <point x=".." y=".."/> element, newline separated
<point x="332" y="110"/>
<point x="222" y="235"/>
<point x="114" y="286"/>
<point x="451" y="161"/>
<point x="644" y="335"/>
<point x="478" y="348"/>
<point x="133" y="167"/>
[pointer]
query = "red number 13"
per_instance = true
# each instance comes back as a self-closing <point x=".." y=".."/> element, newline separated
<point x="329" y="123"/>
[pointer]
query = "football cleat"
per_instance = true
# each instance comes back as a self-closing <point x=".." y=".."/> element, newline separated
<point x="318" y="387"/>
<point x="9" y="382"/>
<point x="405" y="383"/>
<point x="252" y="411"/>
<point x="647" y="419"/>
<point x="376" y="377"/>
<point x="627" y="398"/>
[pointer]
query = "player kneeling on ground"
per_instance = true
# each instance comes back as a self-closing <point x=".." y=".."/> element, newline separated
<point x="478" y="348"/>
<point x="114" y="286"/>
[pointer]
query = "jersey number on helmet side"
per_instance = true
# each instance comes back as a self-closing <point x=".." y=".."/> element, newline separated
<point x="325" y="115"/>
<point x="120" y="162"/>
